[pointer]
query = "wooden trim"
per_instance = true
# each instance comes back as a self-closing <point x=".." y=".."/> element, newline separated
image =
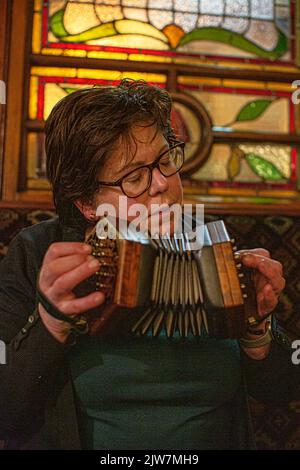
<point x="35" y="125"/>
<point x="31" y="196"/>
<point x="5" y="23"/>
<point x="26" y="205"/>
<point x="232" y="194"/>
<point x="167" y="68"/>
<point x="284" y="139"/>
<point x="222" y="208"/>
<point x="22" y="177"/>
<point x="172" y="80"/>
<point x="15" y="91"/>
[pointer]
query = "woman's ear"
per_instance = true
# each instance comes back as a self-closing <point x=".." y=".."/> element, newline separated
<point x="87" y="210"/>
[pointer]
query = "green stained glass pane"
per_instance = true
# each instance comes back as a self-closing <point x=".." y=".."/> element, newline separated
<point x="253" y="110"/>
<point x="263" y="168"/>
<point x="277" y="156"/>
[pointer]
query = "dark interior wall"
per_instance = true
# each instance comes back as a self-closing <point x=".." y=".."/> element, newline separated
<point x="5" y="11"/>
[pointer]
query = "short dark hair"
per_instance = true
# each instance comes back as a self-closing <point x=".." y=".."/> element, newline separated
<point x="83" y="128"/>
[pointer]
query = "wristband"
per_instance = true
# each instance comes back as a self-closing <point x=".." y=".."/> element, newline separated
<point x="266" y="338"/>
<point x="78" y="325"/>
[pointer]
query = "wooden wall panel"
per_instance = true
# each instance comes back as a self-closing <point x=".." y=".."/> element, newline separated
<point x="5" y="22"/>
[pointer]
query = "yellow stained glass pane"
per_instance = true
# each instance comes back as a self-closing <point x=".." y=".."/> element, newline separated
<point x="110" y="75"/>
<point x="138" y="13"/>
<point x="96" y="74"/>
<point x="33" y="98"/>
<point x="107" y="55"/>
<point x="80" y="17"/>
<point x="215" y="169"/>
<point x="233" y="65"/>
<point x="139" y="28"/>
<point x="244" y="84"/>
<point x="36" y="33"/>
<point x="53" y="51"/>
<point x="37" y="5"/>
<point x="186" y="80"/>
<point x="132" y="41"/>
<point x="149" y="58"/>
<point x="280" y="86"/>
<point x="54" y="71"/>
<point x="53" y="93"/>
<point x="74" y="53"/>
<point x="56" y="5"/>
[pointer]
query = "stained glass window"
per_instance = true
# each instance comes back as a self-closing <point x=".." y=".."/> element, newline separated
<point x="228" y="124"/>
<point x="50" y="84"/>
<point x="235" y="108"/>
<point x="250" y="165"/>
<point x="169" y="30"/>
<point x="236" y="105"/>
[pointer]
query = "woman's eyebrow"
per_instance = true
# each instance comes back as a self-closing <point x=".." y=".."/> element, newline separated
<point x="136" y="164"/>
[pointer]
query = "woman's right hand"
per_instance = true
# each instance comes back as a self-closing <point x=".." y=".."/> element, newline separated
<point x="65" y="265"/>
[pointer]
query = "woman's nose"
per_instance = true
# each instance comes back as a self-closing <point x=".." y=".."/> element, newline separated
<point x="159" y="183"/>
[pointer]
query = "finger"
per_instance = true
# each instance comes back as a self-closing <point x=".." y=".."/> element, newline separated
<point x="82" y="304"/>
<point x="51" y="271"/>
<point x="59" y="249"/>
<point x="272" y="272"/>
<point x="66" y="283"/>
<point x="256" y="251"/>
<point x="268" y="267"/>
<point x="266" y="300"/>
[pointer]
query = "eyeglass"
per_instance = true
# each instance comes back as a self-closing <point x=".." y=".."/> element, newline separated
<point x="138" y="181"/>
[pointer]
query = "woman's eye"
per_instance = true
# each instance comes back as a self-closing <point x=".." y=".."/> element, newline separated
<point x="134" y="178"/>
<point x="165" y="161"/>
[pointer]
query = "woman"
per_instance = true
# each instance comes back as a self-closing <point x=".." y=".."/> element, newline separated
<point x="126" y="392"/>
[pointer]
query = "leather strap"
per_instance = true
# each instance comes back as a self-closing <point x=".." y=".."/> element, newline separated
<point x="79" y="324"/>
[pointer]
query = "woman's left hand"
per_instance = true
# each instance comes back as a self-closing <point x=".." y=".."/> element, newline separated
<point x="268" y="278"/>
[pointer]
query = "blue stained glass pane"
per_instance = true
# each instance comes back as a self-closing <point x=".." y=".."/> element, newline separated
<point x="262" y="9"/>
<point x="237" y="8"/>
<point x="213" y="7"/>
<point x="283" y="19"/>
<point x="187" y="5"/>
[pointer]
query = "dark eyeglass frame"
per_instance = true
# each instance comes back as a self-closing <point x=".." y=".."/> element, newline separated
<point x="150" y="166"/>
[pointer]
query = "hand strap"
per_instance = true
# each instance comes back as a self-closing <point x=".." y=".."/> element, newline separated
<point x="266" y="338"/>
<point x="79" y="324"/>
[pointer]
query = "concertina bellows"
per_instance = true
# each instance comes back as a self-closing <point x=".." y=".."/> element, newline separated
<point x="161" y="285"/>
